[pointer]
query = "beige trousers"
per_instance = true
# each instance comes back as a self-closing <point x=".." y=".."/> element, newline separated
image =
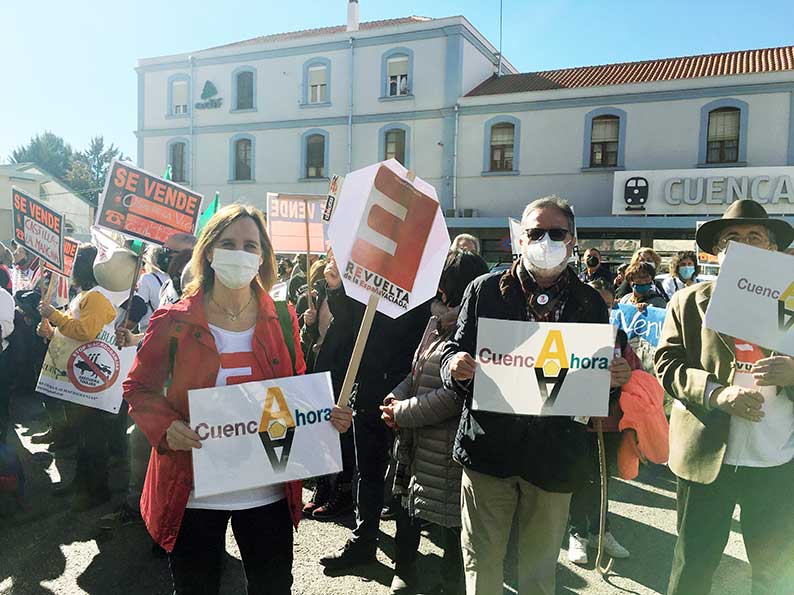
<point x="489" y="506"/>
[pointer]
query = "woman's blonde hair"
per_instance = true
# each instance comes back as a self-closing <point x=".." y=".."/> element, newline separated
<point x="657" y="260"/>
<point x="200" y="269"/>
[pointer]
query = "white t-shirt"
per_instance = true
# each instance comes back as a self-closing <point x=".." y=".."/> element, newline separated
<point x="237" y="366"/>
<point x="767" y="443"/>
<point x="149" y="289"/>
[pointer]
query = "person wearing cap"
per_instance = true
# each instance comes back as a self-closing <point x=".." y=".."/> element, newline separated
<point x="88" y="314"/>
<point x="731" y="427"/>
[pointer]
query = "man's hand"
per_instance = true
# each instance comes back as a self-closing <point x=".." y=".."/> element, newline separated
<point x="45" y="310"/>
<point x="341" y="418"/>
<point x="462" y="366"/>
<point x="179" y="436"/>
<point x="621" y="372"/>
<point x="774" y="371"/>
<point x="331" y="273"/>
<point x="310" y="317"/>
<point x="45" y="330"/>
<point x="741" y="402"/>
<point x="126" y="338"/>
<point x="387" y="415"/>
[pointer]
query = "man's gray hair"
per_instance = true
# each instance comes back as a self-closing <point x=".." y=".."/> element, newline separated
<point x="551" y="202"/>
<point x="467" y="237"/>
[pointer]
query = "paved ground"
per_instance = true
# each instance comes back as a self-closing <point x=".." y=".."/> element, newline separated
<point x="47" y="549"/>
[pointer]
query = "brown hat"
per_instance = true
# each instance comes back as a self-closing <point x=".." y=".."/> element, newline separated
<point x="743" y="212"/>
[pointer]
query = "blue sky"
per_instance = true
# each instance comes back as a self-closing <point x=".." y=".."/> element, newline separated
<point x="68" y="66"/>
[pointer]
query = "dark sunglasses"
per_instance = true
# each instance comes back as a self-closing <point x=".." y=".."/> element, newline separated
<point x="556" y="235"/>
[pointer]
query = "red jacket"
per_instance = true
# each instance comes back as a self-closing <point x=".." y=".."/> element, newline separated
<point x="169" y="478"/>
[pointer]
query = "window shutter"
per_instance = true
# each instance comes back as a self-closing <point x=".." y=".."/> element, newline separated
<point x="398" y="66"/>
<point x="503" y="134"/>
<point x="724" y="124"/>
<point x="317" y="75"/>
<point x="179" y="92"/>
<point x="605" y="130"/>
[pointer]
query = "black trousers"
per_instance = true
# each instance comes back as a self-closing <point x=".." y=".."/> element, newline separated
<point x="263" y="534"/>
<point x="93" y="428"/>
<point x="372" y="438"/>
<point x="5" y="394"/>
<point x="767" y="522"/>
<point x="406" y="541"/>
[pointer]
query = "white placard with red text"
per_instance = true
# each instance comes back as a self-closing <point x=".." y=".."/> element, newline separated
<point x="263" y="433"/>
<point x="531" y="368"/>
<point x="389" y="237"/>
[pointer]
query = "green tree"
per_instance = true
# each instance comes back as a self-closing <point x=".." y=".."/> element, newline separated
<point x="49" y="151"/>
<point x="89" y="168"/>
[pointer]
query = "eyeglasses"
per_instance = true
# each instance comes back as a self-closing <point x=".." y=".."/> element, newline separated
<point x="556" y="235"/>
<point x="753" y="239"/>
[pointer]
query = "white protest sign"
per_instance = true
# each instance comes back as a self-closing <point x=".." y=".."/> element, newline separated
<point x="389" y="237"/>
<point x="515" y="235"/>
<point x="87" y="373"/>
<point x="532" y="368"/>
<point x="263" y="433"/>
<point x="753" y="298"/>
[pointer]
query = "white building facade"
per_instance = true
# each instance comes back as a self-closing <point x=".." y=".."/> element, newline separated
<point x="282" y="113"/>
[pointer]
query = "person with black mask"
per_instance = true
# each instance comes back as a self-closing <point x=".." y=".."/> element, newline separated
<point x="594" y="268"/>
<point x="176" y="254"/>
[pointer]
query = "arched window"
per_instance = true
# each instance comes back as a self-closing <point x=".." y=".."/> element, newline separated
<point x="604" y="140"/>
<point x="314" y="154"/>
<point x="244" y="89"/>
<point x="397" y="73"/>
<point x="178" y="95"/>
<point x="395" y="145"/>
<point x="178" y="159"/>
<point x="242" y="158"/>
<point x="723" y="135"/>
<point x="501" y="139"/>
<point x="316" y="82"/>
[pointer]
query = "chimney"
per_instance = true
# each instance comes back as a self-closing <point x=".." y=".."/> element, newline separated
<point x="352" y="15"/>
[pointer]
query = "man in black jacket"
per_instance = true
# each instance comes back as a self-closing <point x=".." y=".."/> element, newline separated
<point x="386" y="361"/>
<point x="520" y="465"/>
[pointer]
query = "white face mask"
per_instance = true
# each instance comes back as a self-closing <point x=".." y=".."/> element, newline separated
<point x="235" y="268"/>
<point x="545" y="256"/>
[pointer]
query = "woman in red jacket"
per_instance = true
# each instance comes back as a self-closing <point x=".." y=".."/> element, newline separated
<point x="224" y="331"/>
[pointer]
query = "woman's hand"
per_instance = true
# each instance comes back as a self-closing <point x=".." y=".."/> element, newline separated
<point x="179" y="436"/>
<point x="620" y="372"/>
<point x="45" y="330"/>
<point x="45" y="310"/>
<point x="641" y="306"/>
<point x="331" y="273"/>
<point x="126" y="338"/>
<point x="341" y="418"/>
<point x="387" y="415"/>
<point x="462" y="366"/>
<point x="310" y="317"/>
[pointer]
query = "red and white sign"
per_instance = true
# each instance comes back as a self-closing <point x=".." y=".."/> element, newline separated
<point x="389" y="237"/>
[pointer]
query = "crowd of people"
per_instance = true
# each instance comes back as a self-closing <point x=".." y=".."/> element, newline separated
<point x="413" y="446"/>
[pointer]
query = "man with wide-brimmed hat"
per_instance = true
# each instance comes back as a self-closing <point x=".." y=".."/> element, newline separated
<point x="731" y="428"/>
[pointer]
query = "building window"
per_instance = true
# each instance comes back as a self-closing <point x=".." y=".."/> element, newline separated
<point x="315" y="156"/>
<point x="177" y="155"/>
<point x="318" y="84"/>
<point x="178" y="95"/>
<point x="244" y="89"/>
<point x="242" y="158"/>
<point x="604" y="138"/>
<point x="395" y="145"/>
<point x="502" y="142"/>
<point x="398" y="76"/>
<point x="397" y="73"/>
<point x="723" y="135"/>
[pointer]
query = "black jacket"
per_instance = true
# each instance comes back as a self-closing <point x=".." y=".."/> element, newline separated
<point x="549" y="452"/>
<point x="390" y="348"/>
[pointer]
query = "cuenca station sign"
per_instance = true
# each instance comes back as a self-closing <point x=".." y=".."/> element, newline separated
<point x="705" y="191"/>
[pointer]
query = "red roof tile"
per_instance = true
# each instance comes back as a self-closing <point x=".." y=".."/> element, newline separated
<point x="647" y="71"/>
<point x="366" y="26"/>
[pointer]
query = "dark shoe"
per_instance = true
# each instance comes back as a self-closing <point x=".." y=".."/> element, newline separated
<point x="352" y="554"/>
<point x="123" y="517"/>
<point x="320" y="497"/>
<point x="341" y="503"/>
<point x="63" y="489"/>
<point x="83" y="500"/>
<point x="404" y="581"/>
<point x="44" y="438"/>
<point x="389" y="513"/>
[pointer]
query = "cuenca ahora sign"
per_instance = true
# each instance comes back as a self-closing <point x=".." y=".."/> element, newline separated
<point x="701" y="191"/>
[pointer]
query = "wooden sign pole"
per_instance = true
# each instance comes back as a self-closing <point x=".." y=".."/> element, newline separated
<point x="358" y="350"/>
<point x="53" y="281"/>
<point x="308" y="252"/>
<point x="41" y="280"/>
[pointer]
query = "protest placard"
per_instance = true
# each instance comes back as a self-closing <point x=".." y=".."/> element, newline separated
<point x="262" y="433"/>
<point x="287" y="216"/>
<point x="532" y="368"/>
<point x="646" y="325"/>
<point x="38" y="228"/>
<point x="753" y="298"/>
<point x="389" y="237"/>
<point x="144" y="206"/>
<point x="515" y="235"/>
<point x="87" y="373"/>
<point x="69" y="251"/>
